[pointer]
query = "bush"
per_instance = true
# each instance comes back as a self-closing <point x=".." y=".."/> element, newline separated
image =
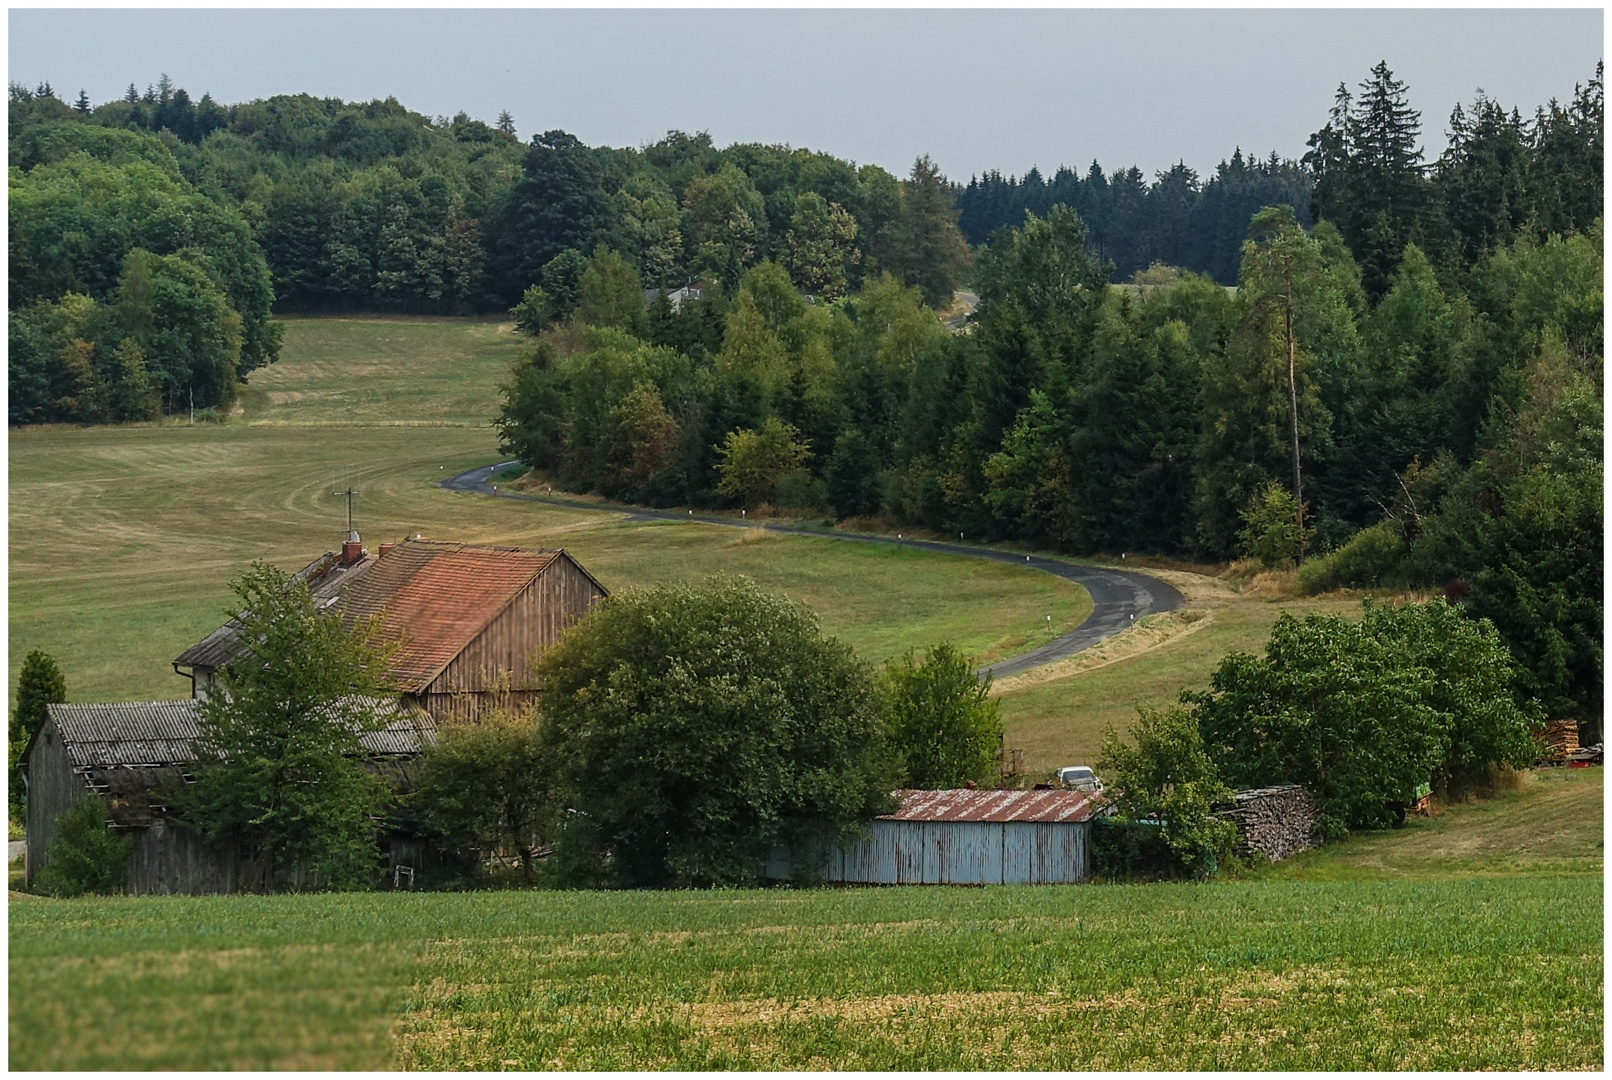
<point x="1125" y="850"/>
<point x="801" y="490"/>
<point x="1168" y="777"/>
<point x="1372" y="557"/>
<point x="694" y="728"/>
<point x="941" y="720"/>
<point x="85" y="856"/>
<point x="487" y="786"/>
<point x="534" y="312"/>
<point x="1362" y="714"/>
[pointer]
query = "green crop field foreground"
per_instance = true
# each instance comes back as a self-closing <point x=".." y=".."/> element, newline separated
<point x="1469" y="940"/>
<point x="1384" y="952"/>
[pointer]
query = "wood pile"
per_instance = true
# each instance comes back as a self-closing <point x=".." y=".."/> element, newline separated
<point x="1561" y="739"/>
<point x="1275" y="822"/>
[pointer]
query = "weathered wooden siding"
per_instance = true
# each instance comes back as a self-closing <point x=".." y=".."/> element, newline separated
<point x="53" y="786"/>
<point x="510" y="644"/>
<point x="965" y="853"/>
<point x="170" y="859"/>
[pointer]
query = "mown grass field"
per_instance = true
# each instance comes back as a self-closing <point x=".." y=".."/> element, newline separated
<point x="384" y="370"/>
<point x="1493" y="961"/>
<point x="123" y="540"/>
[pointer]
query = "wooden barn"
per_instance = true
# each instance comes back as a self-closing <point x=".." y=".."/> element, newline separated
<point x="968" y="837"/>
<point x="133" y="754"/>
<point x="473" y="620"/>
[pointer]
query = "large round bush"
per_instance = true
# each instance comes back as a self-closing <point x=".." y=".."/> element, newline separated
<point x="697" y="727"/>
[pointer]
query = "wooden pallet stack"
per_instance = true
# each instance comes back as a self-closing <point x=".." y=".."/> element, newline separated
<point x="1275" y="822"/>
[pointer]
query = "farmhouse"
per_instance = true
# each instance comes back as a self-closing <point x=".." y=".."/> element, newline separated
<point x="472" y="619"/>
<point x="134" y="755"/>
<point x="968" y="837"/>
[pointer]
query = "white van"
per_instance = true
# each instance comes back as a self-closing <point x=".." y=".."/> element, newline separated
<point x="1079" y="777"/>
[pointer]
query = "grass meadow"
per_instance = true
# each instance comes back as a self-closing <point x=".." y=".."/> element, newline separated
<point x="1470" y="940"/>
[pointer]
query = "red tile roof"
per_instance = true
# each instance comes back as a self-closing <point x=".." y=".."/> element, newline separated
<point x="444" y="605"/>
<point x="436" y="596"/>
<point x="965" y="804"/>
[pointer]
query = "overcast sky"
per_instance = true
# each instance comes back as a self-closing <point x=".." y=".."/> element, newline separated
<point x="974" y="89"/>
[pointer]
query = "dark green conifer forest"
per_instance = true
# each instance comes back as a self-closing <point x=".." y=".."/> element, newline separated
<point x="1409" y="350"/>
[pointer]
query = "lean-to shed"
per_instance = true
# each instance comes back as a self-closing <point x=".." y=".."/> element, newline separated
<point x="472" y="619"/>
<point x="968" y="837"/>
<point x="134" y="755"/>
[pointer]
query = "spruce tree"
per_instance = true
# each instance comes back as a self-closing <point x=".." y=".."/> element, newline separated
<point x="39" y="684"/>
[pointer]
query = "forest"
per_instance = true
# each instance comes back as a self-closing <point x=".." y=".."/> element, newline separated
<point x="1383" y="369"/>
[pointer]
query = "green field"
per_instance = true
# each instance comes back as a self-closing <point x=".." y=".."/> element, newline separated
<point x="384" y="370"/>
<point x="123" y="540"/>
<point x="1490" y="962"/>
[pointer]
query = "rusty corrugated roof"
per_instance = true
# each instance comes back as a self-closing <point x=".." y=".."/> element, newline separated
<point x="966" y="804"/>
<point x="151" y="733"/>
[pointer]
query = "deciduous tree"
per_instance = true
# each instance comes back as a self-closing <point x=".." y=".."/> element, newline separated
<point x="279" y="766"/>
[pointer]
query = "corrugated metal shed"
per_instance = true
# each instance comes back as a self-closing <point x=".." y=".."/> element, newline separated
<point x="967" y="837"/>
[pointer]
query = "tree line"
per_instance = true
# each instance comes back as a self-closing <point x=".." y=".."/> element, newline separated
<point x="1179" y="219"/>
<point x="1500" y="174"/>
<point x="1439" y="427"/>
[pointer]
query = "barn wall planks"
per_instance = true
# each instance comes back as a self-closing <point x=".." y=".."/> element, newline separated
<point x="170" y="859"/>
<point x="965" y="853"/>
<point x="53" y="786"/>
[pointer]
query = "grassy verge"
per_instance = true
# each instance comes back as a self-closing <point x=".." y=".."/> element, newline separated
<point x="1247" y="975"/>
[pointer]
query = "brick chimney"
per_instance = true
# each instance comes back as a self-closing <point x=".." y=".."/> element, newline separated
<point x="386" y="548"/>
<point x="352" y="549"/>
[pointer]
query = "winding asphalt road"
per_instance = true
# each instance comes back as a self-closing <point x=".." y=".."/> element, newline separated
<point x="1118" y="597"/>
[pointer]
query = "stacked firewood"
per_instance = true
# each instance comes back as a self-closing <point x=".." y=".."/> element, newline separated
<point x="1275" y="822"/>
<point x="1561" y="739"/>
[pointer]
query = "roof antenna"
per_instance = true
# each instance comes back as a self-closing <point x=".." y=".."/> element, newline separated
<point x="352" y="548"/>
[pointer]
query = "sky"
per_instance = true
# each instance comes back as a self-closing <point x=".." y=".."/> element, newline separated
<point x="974" y="89"/>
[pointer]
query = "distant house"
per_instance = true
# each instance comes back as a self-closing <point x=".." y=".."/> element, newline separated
<point x="676" y="297"/>
<point x="135" y="754"/>
<point x="968" y="837"/>
<point x="472" y="620"/>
